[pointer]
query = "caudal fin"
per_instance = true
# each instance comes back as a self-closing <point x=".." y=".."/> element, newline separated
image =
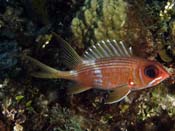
<point x="47" y="71"/>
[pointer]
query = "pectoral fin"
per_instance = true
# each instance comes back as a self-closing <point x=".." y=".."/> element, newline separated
<point x="77" y="89"/>
<point x="118" y="94"/>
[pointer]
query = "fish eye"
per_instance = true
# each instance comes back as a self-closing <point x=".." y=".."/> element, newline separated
<point x="151" y="71"/>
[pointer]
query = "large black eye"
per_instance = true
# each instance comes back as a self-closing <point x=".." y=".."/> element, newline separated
<point x="151" y="71"/>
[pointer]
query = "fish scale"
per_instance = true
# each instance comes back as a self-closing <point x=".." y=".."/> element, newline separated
<point x="107" y="65"/>
<point x="104" y="76"/>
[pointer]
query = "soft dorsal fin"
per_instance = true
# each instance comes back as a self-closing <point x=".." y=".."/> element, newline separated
<point x="70" y="56"/>
<point x="108" y="48"/>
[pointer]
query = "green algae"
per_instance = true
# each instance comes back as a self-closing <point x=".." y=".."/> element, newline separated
<point x="99" y="20"/>
<point x="33" y="104"/>
<point x="164" y="56"/>
<point x="65" y="118"/>
<point x="38" y="9"/>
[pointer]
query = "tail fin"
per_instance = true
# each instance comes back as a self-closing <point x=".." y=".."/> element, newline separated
<point x="47" y="71"/>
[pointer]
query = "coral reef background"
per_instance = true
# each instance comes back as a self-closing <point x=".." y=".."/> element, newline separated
<point x="30" y="104"/>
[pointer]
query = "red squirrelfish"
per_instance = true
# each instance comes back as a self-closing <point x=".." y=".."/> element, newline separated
<point x="107" y="65"/>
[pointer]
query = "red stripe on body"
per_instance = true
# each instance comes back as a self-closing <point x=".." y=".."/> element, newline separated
<point x="105" y="73"/>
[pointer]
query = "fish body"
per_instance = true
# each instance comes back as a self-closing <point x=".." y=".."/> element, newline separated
<point x="108" y="66"/>
<point x="106" y="73"/>
<point x="110" y="73"/>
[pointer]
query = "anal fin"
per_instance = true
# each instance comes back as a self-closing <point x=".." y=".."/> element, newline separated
<point x="118" y="94"/>
<point x="77" y="89"/>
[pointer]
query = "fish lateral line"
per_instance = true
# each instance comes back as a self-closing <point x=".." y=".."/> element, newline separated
<point x="138" y="73"/>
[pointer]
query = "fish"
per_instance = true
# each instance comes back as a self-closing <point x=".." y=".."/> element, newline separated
<point x="108" y="65"/>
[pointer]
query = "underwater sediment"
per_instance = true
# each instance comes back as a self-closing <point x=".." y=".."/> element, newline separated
<point x="27" y="103"/>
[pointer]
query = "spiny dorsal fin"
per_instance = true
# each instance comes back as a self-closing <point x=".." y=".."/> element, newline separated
<point x="70" y="56"/>
<point x="108" y="48"/>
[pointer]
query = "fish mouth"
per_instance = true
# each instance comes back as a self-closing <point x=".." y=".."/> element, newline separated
<point x="154" y="82"/>
<point x="158" y="80"/>
<point x="166" y="76"/>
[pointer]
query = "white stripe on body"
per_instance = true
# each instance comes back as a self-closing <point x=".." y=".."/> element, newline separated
<point x="98" y="77"/>
<point x="141" y="77"/>
<point x="97" y="73"/>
